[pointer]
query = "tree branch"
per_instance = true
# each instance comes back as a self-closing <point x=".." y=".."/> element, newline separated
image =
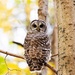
<point x="50" y="67"/>
<point x="18" y="43"/>
<point x="54" y="55"/>
<point x="5" y="52"/>
<point x="11" y="54"/>
<point x="43" y="9"/>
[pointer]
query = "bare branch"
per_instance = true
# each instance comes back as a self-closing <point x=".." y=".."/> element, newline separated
<point x="6" y="62"/>
<point x="5" y="52"/>
<point x="18" y="56"/>
<point x="54" y="55"/>
<point x="18" y="43"/>
<point x="51" y="68"/>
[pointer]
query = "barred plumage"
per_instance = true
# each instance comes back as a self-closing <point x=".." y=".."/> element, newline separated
<point x="37" y="45"/>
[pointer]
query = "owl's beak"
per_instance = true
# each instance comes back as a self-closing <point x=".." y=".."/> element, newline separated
<point x="38" y="29"/>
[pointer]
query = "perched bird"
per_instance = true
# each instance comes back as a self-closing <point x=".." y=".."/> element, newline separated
<point x="37" y="45"/>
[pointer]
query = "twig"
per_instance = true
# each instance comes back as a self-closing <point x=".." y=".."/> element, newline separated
<point x="50" y="67"/>
<point x="54" y="55"/>
<point x="18" y="56"/>
<point x="6" y="62"/>
<point x="18" y="43"/>
<point x="5" y="52"/>
<point x="8" y="67"/>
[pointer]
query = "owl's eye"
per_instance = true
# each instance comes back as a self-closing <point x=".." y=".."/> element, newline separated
<point x="34" y="25"/>
<point x="41" y="26"/>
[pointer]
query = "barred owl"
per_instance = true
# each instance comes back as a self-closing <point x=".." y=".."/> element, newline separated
<point x="37" y="45"/>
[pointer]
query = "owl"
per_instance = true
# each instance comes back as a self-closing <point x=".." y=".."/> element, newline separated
<point x="37" y="45"/>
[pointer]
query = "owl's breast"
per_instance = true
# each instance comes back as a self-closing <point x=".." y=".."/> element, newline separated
<point x="37" y="50"/>
<point x="34" y="50"/>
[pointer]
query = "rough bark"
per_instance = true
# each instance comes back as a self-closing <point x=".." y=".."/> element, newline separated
<point x="43" y="9"/>
<point x="66" y="36"/>
<point x="42" y="15"/>
<point x="55" y="46"/>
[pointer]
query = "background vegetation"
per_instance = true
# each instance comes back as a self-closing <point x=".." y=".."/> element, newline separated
<point x="15" y="16"/>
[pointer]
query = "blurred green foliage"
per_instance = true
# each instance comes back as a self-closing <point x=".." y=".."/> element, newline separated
<point x="3" y="67"/>
<point x="11" y="12"/>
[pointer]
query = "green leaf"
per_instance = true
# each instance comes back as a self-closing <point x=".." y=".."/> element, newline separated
<point x="3" y="67"/>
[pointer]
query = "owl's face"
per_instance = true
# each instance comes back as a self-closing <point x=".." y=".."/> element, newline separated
<point x="38" y="26"/>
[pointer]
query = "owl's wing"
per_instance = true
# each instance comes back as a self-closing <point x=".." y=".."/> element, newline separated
<point x="27" y="41"/>
<point x="44" y="44"/>
<point x="43" y="41"/>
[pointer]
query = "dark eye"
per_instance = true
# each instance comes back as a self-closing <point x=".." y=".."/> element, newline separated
<point x="41" y="26"/>
<point x="34" y="25"/>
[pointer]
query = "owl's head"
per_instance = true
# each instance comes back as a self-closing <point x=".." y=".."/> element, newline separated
<point x="38" y="26"/>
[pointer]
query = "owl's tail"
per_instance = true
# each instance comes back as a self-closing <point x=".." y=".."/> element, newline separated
<point x="18" y="43"/>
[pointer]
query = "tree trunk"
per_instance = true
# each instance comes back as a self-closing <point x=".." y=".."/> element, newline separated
<point x="66" y="36"/>
<point x="43" y="10"/>
<point x="42" y="15"/>
<point x="54" y="46"/>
